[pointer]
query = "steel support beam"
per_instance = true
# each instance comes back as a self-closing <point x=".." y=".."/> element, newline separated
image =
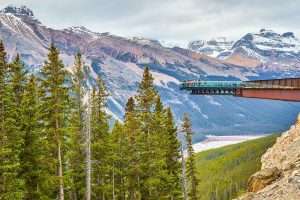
<point x="275" y="94"/>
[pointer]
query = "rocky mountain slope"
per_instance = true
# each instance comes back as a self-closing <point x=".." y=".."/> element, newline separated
<point x="121" y="62"/>
<point x="218" y="47"/>
<point x="264" y="51"/>
<point x="273" y="51"/>
<point x="279" y="177"/>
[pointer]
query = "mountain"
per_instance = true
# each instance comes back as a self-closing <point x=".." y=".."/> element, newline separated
<point x="264" y="51"/>
<point x="218" y="47"/>
<point x="279" y="177"/>
<point x="121" y="62"/>
<point x="272" y="50"/>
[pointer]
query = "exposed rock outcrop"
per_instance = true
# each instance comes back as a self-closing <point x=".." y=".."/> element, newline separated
<point x="263" y="178"/>
<point x="279" y="177"/>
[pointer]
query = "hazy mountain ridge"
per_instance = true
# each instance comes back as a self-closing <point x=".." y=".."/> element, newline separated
<point x="121" y="61"/>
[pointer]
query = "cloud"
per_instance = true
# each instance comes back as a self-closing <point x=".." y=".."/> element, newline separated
<point x="179" y="21"/>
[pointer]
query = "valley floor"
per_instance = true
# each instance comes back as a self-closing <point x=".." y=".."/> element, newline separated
<point x="213" y="141"/>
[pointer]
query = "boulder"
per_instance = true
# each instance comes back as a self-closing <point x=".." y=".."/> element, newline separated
<point x="263" y="178"/>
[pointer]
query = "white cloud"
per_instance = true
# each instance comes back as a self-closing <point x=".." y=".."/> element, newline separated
<point x="169" y="20"/>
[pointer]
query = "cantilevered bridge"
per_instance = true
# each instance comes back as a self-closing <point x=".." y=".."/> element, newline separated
<point x="276" y="89"/>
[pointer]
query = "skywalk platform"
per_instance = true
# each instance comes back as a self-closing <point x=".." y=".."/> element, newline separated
<point x="276" y="89"/>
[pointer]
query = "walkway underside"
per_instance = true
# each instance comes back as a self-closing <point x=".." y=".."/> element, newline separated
<point x="275" y="94"/>
<point x="276" y="89"/>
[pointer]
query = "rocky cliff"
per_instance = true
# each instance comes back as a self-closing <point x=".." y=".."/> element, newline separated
<point x="279" y="177"/>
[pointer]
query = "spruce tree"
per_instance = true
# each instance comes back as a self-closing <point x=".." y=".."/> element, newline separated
<point x="159" y="138"/>
<point x="32" y="153"/>
<point x="145" y="98"/>
<point x="77" y="154"/>
<point x="18" y="80"/>
<point x="172" y="157"/>
<point x="99" y="143"/>
<point x="190" y="164"/>
<point x="56" y="106"/>
<point x="12" y="186"/>
<point x="134" y="173"/>
<point x="119" y="161"/>
<point x="17" y="84"/>
<point x="129" y="107"/>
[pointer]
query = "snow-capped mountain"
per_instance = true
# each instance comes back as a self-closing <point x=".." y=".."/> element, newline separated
<point x="264" y="51"/>
<point x="22" y="12"/>
<point x="121" y="62"/>
<point x="268" y="50"/>
<point x="218" y="47"/>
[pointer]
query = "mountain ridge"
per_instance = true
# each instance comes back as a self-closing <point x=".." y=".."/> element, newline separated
<point x="263" y="51"/>
<point x="121" y="60"/>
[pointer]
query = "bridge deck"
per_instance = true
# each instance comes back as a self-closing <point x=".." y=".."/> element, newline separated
<point x="280" y="89"/>
<point x="190" y="85"/>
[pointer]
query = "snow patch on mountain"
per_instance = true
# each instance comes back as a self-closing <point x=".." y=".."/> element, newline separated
<point x="144" y="41"/>
<point x="20" y="11"/>
<point x="218" y="47"/>
<point x="82" y="31"/>
<point x="212" y="101"/>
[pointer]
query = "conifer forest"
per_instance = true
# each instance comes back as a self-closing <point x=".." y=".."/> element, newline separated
<point x="56" y="141"/>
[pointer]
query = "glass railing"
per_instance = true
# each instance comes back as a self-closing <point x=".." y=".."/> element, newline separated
<point x="228" y="84"/>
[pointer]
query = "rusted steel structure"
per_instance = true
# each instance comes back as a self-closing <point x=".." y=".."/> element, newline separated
<point x="276" y="89"/>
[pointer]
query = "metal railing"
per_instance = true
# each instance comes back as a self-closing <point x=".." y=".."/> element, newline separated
<point x="228" y="84"/>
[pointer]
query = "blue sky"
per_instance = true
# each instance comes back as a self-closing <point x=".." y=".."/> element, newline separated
<point x="176" y="21"/>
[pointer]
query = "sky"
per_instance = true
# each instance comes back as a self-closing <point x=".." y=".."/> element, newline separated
<point x="177" y="22"/>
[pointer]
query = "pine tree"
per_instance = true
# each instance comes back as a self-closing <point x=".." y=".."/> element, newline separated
<point x="99" y="144"/>
<point x="145" y="98"/>
<point x="88" y="170"/>
<point x="191" y="165"/>
<point x="77" y="154"/>
<point x="33" y="146"/>
<point x="172" y="157"/>
<point x="18" y="81"/>
<point x="129" y="107"/>
<point x="134" y="146"/>
<point x="159" y="141"/>
<point x="146" y="93"/>
<point x="119" y="161"/>
<point x="12" y="186"/>
<point x="56" y="105"/>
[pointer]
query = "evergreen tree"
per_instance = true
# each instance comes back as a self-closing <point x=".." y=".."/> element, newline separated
<point x="119" y="161"/>
<point x="100" y="141"/>
<point x="17" y="84"/>
<point x="18" y="80"/>
<point x="159" y="141"/>
<point x="191" y="165"/>
<point x="172" y="157"/>
<point x="134" y="150"/>
<point x="32" y="153"/>
<point x="56" y="106"/>
<point x="12" y="186"/>
<point x="77" y="154"/>
<point x="129" y="107"/>
<point x="146" y="97"/>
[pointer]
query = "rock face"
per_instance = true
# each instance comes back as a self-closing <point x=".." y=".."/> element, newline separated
<point x="263" y="178"/>
<point x="279" y="177"/>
